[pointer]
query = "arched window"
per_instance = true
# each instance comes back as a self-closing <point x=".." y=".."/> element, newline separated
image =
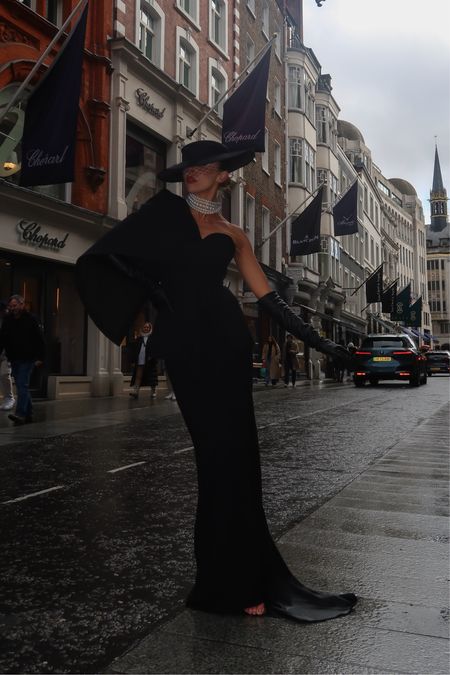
<point x="190" y="8"/>
<point x="218" y="85"/>
<point x="187" y="61"/>
<point x="151" y="31"/>
<point x="218" y="23"/>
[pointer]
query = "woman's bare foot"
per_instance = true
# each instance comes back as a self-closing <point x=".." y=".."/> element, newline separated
<point x="258" y="610"/>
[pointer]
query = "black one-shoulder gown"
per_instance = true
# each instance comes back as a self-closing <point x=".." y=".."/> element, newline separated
<point x="208" y="351"/>
<point x="238" y="564"/>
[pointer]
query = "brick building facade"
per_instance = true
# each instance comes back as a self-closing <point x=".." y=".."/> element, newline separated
<point x="71" y="214"/>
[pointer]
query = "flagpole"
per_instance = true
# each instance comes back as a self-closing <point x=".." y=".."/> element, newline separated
<point x="366" y="280"/>
<point x="244" y="72"/>
<point x="41" y="59"/>
<point x="287" y="217"/>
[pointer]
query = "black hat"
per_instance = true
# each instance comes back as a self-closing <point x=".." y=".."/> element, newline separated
<point x="206" y="152"/>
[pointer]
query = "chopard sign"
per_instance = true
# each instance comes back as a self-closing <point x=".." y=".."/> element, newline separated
<point x="143" y="102"/>
<point x="30" y="233"/>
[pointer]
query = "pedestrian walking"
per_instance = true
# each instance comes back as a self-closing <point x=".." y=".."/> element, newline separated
<point x="6" y="385"/>
<point x="271" y="355"/>
<point x="22" y="339"/>
<point x="290" y="360"/>
<point x="182" y="248"/>
<point x="143" y="362"/>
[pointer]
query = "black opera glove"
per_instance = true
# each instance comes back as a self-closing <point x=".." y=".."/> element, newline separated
<point x="153" y="289"/>
<point x="274" y="305"/>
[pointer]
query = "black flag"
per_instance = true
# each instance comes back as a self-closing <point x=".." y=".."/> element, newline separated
<point x="305" y="230"/>
<point x="244" y="113"/>
<point x="388" y="298"/>
<point x="402" y="303"/>
<point x="374" y="286"/>
<point x="345" y="212"/>
<point x="49" y="134"/>
<point x="414" y="317"/>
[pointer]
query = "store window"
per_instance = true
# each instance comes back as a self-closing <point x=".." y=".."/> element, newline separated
<point x="145" y="157"/>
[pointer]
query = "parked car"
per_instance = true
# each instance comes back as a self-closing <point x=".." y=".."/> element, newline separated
<point x="389" y="357"/>
<point x="438" y="361"/>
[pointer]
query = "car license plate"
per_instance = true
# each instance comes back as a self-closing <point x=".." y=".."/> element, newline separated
<point x="435" y="370"/>
<point x="382" y="358"/>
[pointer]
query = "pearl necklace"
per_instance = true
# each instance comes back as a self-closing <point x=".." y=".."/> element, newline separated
<point x="203" y="205"/>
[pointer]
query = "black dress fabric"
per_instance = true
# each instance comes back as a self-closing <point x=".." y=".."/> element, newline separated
<point x="238" y="564"/>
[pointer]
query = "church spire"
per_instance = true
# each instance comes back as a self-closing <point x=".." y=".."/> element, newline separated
<point x="438" y="198"/>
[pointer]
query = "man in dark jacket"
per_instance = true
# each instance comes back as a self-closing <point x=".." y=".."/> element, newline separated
<point x="23" y="342"/>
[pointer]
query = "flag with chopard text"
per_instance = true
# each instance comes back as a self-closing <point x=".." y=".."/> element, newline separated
<point x="374" y="286"/>
<point x="49" y="135"/>
<point x="345" y="213"/>
<point x="305" y="229"/>
<point x="388" y="298"/>
<point x="244" y="113"/>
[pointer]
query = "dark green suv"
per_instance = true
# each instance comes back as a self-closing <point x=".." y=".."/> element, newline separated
<point x="389" y="357"/>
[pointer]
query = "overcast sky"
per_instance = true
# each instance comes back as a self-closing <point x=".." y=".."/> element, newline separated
<point x="389" y="62"/>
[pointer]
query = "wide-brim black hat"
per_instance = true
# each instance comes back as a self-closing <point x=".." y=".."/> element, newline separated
<point x="206" y="152"/>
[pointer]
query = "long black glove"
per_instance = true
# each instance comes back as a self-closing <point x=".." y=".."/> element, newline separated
<point x="153" y="289"/>
<point x="282" y="313"/>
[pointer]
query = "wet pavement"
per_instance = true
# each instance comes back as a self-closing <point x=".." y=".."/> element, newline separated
<point x="96" y="564"/>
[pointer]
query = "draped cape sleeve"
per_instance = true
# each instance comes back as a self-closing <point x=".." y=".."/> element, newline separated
<point x="144" y="240"/>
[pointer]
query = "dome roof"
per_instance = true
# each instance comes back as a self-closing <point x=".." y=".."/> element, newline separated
<point x="349" y="131"/>
<point x="404" y="187"/>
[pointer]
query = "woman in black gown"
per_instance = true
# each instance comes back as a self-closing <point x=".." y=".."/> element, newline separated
<point x="176" y="252"/>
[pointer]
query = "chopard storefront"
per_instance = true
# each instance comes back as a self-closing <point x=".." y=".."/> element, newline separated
<point x="40" y="241"/>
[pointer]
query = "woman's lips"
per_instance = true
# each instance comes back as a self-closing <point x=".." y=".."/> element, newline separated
<point x="190" y="179"/>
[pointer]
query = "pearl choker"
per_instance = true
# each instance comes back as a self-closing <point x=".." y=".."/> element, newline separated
<point x="203" y="205"/>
